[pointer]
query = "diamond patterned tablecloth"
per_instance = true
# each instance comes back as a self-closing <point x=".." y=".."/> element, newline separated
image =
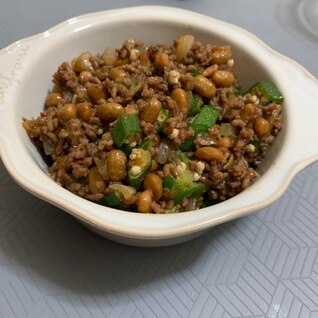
<point x="263" y="265"/>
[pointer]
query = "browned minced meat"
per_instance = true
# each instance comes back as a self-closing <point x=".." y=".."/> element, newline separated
<point x="75" y="129"/>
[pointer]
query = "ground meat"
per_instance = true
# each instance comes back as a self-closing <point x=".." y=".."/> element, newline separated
<point x="65" y="76"/>
<point x="131" y="129"/>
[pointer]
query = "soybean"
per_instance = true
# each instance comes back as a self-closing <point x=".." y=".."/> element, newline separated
<point x="144" y="60"/>
<point x="225" y="142"/>
<point x="154" y="183"/>
<point x="109" y="111"/>
<point x="144" y="201"/>
<point x="85" y="76"/>
<point x="182" y="99"/>
<point x="221" y="55"/>
<point x="67" y="112"/>
<point x="151" y="112"/>
<point x="162" y="60"/>
<point x="116" y="73"/>
<point x="116" y="165"/>
<point x="53" y="99"/>
<point x="84" y="111"/>
<point x="210" y="70"/>
<point x="95" y="181"/>
<point x="223" y="78"/>
<point x="261" y="127"/>
<point x="247" y="111"/>
<point x="95" y="91"/>
<point x="209" y="154"/>
<point x="204" y="87"/>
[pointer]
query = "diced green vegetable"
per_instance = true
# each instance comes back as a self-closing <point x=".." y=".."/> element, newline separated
<point x="126" y="126"/>
<point x="195" y="73"/>
<point x="183" y="187"/>
<point x="188" y="145"/>
<point x="161" y="119"/>
<point x="201" y="123"/>
<point x="168" y="182"/>
<point x="205" y="119"/>
<point x="185" y="179"/>
<point x="269" y="92"/>
<point x="134" y="87"/>
<point x="236" y="91"/>
<point x="194" y="108"/>
<point x="140" y="166"/>
<point x="111" y="200"/>
<point x="196" y="190"/>
<point x="182" y="156"/>
<point x="146" y="144"/>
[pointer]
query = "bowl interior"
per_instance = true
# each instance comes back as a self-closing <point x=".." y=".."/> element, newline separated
<point x="62" y="45"/>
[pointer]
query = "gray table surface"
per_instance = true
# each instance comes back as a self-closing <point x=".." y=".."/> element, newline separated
<point x="263" y="265"/>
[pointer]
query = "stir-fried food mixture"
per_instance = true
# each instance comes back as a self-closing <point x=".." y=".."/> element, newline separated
<point x="155" y="128"/>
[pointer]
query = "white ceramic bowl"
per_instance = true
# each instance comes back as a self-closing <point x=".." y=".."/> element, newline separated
<point x="26" y="71"/>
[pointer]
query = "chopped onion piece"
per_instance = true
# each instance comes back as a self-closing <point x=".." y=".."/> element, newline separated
<point x="227" y="129"/>
<point x="48" y="147"/>
<point x="82" y="63"/>
<point x="191" y="204"/>
<point x="183" y="46"/>
<point x="126" y="192"/>
<point x="163" y="153"/>
<point x="101" y="167"/>
<point x="109" y="56"/>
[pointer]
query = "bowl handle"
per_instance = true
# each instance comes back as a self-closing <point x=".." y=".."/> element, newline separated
<point x="304" y="98"/>
<point x="12" y="60"/>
